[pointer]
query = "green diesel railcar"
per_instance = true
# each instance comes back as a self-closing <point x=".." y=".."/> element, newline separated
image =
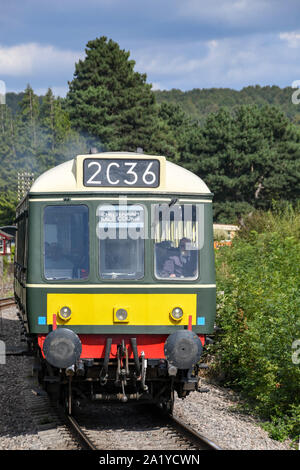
<point x="114" y="277"/>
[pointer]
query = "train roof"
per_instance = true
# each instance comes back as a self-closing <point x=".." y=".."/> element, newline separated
<point x="68" y="177"/>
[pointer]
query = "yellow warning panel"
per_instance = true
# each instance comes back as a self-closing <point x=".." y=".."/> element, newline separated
<point x="142" y="309"/>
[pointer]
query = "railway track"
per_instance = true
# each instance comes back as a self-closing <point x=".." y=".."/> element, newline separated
<point x="145" y="429"/>
<point x="109" y="427"/>
<point x="81" y="436"/>
<point x="6" y="302"/>
<point x="204" y="442"/>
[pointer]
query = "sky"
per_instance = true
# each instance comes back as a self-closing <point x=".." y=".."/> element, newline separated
<point x="182" y="44"/>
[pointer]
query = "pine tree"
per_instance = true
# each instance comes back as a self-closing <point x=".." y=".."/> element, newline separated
<point x="8" y="202"/>
<point x="7" y="149"/>
<point x="47" y="120"/>
<point x="247" y="159"/>
<point x="28" y="135"/>
<point x="109" y="100"/>
<point x="54" y="121"/>
<point x="55" y="132"/>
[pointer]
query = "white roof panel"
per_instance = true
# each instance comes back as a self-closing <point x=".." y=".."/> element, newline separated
<point x="67" y="178"/>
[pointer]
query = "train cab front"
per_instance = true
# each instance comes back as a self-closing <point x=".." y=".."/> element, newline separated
<point x="126" y="266"/>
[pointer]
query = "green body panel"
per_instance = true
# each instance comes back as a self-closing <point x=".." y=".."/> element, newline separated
<point x="35" y="304"/>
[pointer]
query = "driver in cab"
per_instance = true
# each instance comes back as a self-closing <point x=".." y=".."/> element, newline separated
<point x="179" y="265"/>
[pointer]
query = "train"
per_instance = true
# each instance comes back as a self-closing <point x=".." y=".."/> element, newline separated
<point x="115" y="278"/>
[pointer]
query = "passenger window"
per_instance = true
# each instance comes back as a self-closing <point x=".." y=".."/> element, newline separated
<point x="176" y="245"/>
<point x="66" y="239"/>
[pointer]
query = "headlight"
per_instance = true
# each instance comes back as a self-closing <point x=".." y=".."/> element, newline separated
<point x="177" y="313"/>
<point x="121" y="314"/>
<point x="65" y="313"/>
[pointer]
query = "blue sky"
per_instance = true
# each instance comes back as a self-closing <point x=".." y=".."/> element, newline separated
<point x="178" y="43"/>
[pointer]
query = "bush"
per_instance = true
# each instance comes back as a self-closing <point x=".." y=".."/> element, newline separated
<point x="220" y="235"/>
<point x="258" y="311"/>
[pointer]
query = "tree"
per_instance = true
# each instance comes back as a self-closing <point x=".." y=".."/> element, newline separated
<point x="8" y="202"/>
<point x="109" y="100"/>
<point x="247" y="159"/>
<point x="7" y="148"/>
<point x="198" y="103"/>
<point x="55" y="132"/>
<point x="28" y="137"/>
<point x="183" y="130"/>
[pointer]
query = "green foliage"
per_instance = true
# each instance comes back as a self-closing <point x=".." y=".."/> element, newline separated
<point x="111" y="101"/>
<point x="8" y="203"/>
<point x="247" y="154"/>
<point x="220" y="235"/>
<point x="258" y="311"/>
<point x="246" y="151"/>
<point x="7" y="148"/>
<point x="246" y="158"/>
<point x="35" y="138"/>
<point x="27" y="133"/>
<point x="199" y="103"/>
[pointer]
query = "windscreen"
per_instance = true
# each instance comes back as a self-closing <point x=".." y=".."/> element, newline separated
<point x="66" y="242"/>
<point x="176" y="241"/>
<point x="120" y="232"/>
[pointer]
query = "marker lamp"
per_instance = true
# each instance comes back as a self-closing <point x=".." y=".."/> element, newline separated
<point x="65" y="313"/>
<point x="121" y="315"/>
<point x="177" y="313"/>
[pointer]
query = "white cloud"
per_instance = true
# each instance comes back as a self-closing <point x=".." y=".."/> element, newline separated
<point x="156" y="86"/>
<point x="230" y="62"/>
<point x="224" y="11"/>
<point x="234" y="62"/>
<point x="292" y="38"/>
<point x="33" y="58"/>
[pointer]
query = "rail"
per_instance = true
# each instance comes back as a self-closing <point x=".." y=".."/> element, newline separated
<point x="192" y="435"/>
<point x="6" y="302"/>
<point x="198" y="441"/>
<point x="80" y="434"/>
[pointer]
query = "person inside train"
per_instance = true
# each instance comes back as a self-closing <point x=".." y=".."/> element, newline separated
<point x="182" y="263"/>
